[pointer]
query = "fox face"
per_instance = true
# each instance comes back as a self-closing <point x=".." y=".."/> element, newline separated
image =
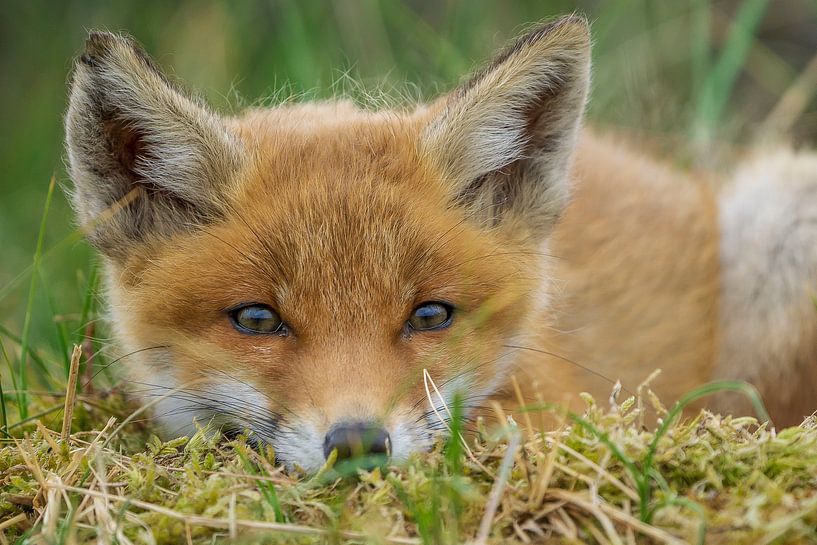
<point x="329" y="278"/>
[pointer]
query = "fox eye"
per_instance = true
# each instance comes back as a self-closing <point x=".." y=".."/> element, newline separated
<point x="258" y="319"/>
<point x="431" y="316"/>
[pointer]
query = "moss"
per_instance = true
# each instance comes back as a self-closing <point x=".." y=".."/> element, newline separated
<point x="743" y="482"/>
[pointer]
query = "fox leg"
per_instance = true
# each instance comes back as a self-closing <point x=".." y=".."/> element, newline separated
<point x="768" y="314"/>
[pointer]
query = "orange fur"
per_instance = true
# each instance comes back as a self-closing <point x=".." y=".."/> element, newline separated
<point x="636" y="262"/>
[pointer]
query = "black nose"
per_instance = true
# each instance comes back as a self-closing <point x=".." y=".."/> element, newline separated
<point x="355" y="439"/>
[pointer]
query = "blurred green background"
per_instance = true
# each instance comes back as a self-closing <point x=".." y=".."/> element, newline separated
<point x="700" y="80"/>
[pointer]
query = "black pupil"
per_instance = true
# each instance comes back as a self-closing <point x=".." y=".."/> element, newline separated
<point x="258" y="318"/>
<point x="429" y="316"/>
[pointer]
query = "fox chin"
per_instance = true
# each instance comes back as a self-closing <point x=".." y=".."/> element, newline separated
<point x="334" y="278"/>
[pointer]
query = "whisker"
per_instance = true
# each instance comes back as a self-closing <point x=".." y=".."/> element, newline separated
<point x="117" y="360"/>
<point x="217" y="404"/>
<point x="231" y="377"/>
<point x="568" y="360"/>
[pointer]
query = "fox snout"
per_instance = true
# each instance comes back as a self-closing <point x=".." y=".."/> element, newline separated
<point x="356" y="439"/>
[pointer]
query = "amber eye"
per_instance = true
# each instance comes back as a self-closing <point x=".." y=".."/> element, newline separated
<point x="431" y="316"/>
<point x="258" y="319"/>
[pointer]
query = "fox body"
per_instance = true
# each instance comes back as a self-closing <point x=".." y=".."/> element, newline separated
<point x="309" y="271"/>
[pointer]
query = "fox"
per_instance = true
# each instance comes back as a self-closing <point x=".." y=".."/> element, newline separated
<point x="332" y="278"/>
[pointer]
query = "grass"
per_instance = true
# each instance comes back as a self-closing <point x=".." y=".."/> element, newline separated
<point x="602" y="477"/>
<point x="719" y="79"/>
<point x="22" y="371"/>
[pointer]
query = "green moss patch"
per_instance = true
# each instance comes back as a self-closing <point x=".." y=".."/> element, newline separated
<point x="712" y="478"/>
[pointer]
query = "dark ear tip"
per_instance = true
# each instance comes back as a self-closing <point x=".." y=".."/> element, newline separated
<point x="100" y="44"/>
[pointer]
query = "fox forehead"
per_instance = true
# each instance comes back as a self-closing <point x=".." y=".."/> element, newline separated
<point x="337" y="229"/>
<point x="335" y="136"/>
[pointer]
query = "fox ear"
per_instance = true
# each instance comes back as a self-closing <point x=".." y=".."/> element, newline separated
<point x="145" y="158"/>
<point x="504" y="139"/>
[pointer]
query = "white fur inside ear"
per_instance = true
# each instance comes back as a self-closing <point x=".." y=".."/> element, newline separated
<point x="505" y="138"/>
<point x="480" y="138"/>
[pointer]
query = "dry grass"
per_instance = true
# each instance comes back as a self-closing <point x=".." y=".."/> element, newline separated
<point x="728" y="480"/>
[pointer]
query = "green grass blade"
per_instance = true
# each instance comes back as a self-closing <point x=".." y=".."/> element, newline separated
<point x="24" y="338"/>
<point x="700" y="44"/>
<point x="35" y="416"/>
<point x="72" y="238"/>
<point x="717" y="87"/>
<point x="13" y="385"/>
<point x="59" y="325"/>
<point x="31" y="354"/>
<point x="8" y="361"/>
<point x="88" y="307"/>
<point x="88" y="301"/>
<point x="692" y="506"/>
<point x="450" y="58"/>
<point x="3" y="413"/>
<point x="266" y="488"/>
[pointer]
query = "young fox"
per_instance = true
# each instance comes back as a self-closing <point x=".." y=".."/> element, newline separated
<point x="308" y="271"/>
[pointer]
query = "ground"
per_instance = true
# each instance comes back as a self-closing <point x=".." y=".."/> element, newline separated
<point x="601" y="477"/>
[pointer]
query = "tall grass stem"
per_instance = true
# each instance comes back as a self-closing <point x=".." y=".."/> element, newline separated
<point x="22" y="395"/>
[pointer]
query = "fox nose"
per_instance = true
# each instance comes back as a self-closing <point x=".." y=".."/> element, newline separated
<point x="355" y="439"/>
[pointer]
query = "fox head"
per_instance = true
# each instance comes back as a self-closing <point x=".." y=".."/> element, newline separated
<point x="309" y="272"/>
